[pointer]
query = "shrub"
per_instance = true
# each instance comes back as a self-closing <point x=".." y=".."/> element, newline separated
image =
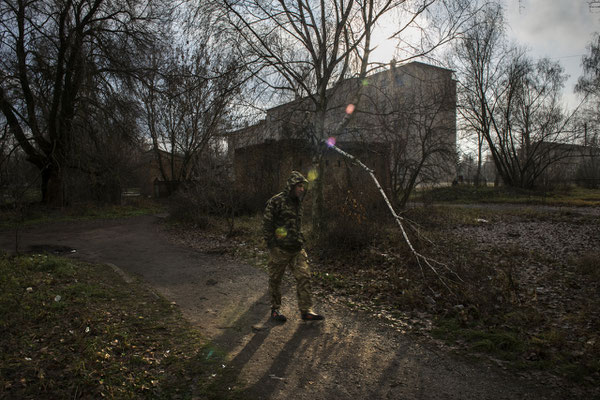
<point x="185" y="206"/>
<point x="348" y="225"/>
<point x="211" y="195"/>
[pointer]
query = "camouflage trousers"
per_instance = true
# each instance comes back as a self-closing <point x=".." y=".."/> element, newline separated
<point x="279" y="260"/>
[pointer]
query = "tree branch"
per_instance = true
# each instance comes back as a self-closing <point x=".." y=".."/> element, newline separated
<point x="421" y="259"/>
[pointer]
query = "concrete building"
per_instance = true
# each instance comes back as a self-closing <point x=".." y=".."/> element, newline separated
<point x="404" y="120"/>
<point x="570" y="164"/>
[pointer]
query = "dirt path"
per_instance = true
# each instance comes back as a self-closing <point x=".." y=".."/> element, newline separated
<point x="349" y="356"/>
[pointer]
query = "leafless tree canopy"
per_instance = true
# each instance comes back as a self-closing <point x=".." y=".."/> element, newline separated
<point x="479" y="57"/>
<point x="589" y="83"/>
<point x="306" y="48"/>
<point x="512" y="103"/>
<point x="417" y="119"/>
<point x="186" y="104"/>
<point x="60" y="60"/>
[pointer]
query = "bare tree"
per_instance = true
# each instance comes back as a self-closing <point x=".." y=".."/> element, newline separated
<point x="465" y="167"/>
<point x="589" y="83"/>
<point x="306" y="48"/>
<point x="512" y="103"/>
<point x="5" y="148"/>
<point x="529" y="123"/>
<point x="17" y="178"/>
<point x="104" y="158"/>
<point x="14" y="173"/>
<point x="478" y="62"/>
<point x="588" y="86"/>
<point x="54" y="54"/>
<point x="186" y="103"/>
<point x="418" y="120"/>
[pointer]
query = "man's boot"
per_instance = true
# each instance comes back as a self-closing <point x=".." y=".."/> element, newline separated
<point x="277" y="316"/>
<point x="312" y="316"/>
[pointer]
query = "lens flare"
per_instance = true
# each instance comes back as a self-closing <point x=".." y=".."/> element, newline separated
<point x="365" y="82"/>
<point x="312" y="175"/>
<point x="331" y="142"/>
<point x="350" y="109"/>
<point x="280" y="232"/>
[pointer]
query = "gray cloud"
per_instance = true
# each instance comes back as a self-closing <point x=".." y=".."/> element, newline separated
<point x="558" y="29"/>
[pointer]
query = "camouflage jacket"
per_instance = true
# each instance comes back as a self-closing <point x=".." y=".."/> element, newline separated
<point x="282" y="221"/>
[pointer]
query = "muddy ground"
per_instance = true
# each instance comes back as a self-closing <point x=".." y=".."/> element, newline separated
<point x="351" y="355"/>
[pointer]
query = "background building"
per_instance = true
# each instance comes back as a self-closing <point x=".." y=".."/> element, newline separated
<point x="403" y="126"/>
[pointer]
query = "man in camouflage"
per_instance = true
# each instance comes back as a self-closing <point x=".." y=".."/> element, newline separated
<point x="282" y="225"/>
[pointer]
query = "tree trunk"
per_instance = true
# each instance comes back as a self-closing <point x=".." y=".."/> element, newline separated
<point x="479" y="162"/>
<point x="318" y="165"/>
<point x="318" y="215"/>
<point x="53" y="187"/>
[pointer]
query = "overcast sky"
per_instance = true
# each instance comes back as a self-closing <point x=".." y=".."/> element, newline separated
<point x="558" y="29"/>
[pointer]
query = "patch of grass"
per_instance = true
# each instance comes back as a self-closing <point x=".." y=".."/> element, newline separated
<point x="523" y="317"/>
<point x="571" y="196"/>
<point x="442" y="216"/>
<point x="75" y="330"/>
<point x="247" y="226"/>
<point x="124" y="211"/>
<point x="548" y="350"/>
<point x="576" y="371"/>
<point x="38" y="214"/>
<point x="550" y="338"/>
<point x="588" y="265"/>
<point x="332" y="280"/>
<point x="470" y="194"/>
<point x="504" y="344"/>
<point x="575" y="196"/>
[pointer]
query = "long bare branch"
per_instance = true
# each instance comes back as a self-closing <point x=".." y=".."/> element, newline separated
<point x="421" y="259"/>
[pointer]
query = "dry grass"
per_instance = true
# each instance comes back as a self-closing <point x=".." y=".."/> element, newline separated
<point x="76" y="331"/>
